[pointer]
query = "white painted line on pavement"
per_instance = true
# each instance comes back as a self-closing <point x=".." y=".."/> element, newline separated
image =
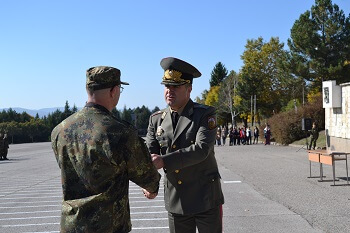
<point x="39" y="206"/>
<point x="138" y="193"/>
<point x="148" y="228"/>
<point x="43" y="232"/>
<point x="16" y="207"/>
<point x="53" y="211"/>
<point x="27" y="225"/>
<point x="139" y="188"/>
<point x="57" y="223"/>
<point x="23" y="194"/>
<point x="5" y="219"/>
<point x="233" y="182"/>
<point x="149" y="201"/>
<point x="58" y="216"/>
<point x="146" y="207"/>
<point x="29" y="186"/>
<point x="32" y="212"/>
<point x="142" y="197"/>
<point x="31" y="191"/>
<point x="15" y="198"/>
<point x="30" y="202"/>
<point x="155" y="212"/>
<point x="27" y="190"/>
<point x="149" y="219"/>
<point x="134" y="228"/>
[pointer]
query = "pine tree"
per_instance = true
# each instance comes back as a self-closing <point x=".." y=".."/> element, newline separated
<point x="218" y="74"/>
<point x="320" y="44"/>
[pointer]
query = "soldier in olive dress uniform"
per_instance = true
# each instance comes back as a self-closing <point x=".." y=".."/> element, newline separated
<point x="98" y="155"/>
<point x="181" y="140"/>
<point x="314" y="136"/>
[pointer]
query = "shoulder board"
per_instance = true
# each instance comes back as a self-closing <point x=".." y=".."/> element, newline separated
<point x="156" y="113"/>
<point x="197" y="105"/>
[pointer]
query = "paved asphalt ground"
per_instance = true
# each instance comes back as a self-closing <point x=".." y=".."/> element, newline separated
<point x="266" y="190"/>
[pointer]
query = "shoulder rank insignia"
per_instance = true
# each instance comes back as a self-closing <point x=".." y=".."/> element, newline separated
<point x="211" y="122"/>
<point x="156" y="113"/>
<point x="160" y="131"/>
<point x="163" y="115"/>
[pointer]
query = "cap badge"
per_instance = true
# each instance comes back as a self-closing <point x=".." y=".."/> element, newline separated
<point x="174" y="76"/>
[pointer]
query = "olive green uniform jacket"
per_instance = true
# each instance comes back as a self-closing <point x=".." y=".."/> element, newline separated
<point x="98" y="155"/>
<point x="192" y="180"/>
<point x="314" y="133"/>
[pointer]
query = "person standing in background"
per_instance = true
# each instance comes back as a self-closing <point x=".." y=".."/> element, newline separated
<point x="224" y="135"/>
<point x="256" y="135"/>
<point x="5" y="147"/>
<point x="267" y="134"/>
<point x="249" y="136"/>
<point x="314" y="136"/>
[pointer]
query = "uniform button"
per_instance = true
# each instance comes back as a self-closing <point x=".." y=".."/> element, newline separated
<point x="174" y="146"/>
<point x="179" y="182"/>
<point x="177" y="171"/>
<point x="160" y="144"/>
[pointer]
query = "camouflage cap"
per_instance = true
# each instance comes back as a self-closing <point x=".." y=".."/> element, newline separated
<point x="101" y="77"/>
<point x="178" y="72"/>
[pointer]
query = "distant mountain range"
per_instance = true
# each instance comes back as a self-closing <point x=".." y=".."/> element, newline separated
<point x="41" y="112"/>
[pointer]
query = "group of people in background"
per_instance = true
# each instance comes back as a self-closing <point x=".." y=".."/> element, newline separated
<point x="237" y="136"/>
<point x="4" y="146"/>
<point x="241" y="135"/>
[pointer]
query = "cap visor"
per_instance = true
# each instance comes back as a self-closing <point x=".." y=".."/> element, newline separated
<point x="173" y="83"/>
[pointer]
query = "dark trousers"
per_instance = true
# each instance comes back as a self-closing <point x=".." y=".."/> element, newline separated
<point x="231" y="141"/>
<point x="312" y="143"/>
<point x="207" y="222"/>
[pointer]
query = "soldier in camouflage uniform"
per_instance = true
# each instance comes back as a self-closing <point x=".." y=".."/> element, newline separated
<point x="98" y="155"/>
<point x="181" y="140"/>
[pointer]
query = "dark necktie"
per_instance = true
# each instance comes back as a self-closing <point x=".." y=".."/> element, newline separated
<point x="175" y="118"/>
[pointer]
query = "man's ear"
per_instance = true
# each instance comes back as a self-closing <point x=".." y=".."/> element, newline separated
<point x="113" y="91"/>
<point x="189" y="89"/>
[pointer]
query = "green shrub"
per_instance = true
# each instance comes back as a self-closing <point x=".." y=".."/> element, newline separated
<point x="286" y="126"/>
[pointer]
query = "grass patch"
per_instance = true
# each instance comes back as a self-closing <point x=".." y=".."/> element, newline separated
<point x="321" y="141"/>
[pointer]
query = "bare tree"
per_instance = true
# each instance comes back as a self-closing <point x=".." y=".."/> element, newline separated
<point x="227" y="96"/>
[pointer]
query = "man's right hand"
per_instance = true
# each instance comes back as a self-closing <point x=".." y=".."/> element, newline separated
<point x="148" y="194"/>
<point x="157" y="161"/>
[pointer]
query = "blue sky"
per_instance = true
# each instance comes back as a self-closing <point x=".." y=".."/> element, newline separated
<point x="46" y="46"/>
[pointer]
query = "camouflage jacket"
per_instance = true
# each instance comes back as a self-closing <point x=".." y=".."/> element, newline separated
<point x="98" y="155"/>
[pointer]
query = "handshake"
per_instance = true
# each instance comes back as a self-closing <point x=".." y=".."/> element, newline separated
<point x="158" y="163"/>
<point x="148" y="194"/>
